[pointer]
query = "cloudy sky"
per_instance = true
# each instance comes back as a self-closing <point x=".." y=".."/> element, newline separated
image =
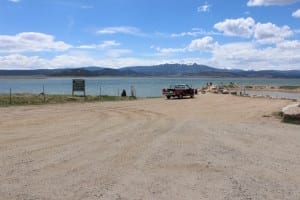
<point x="244" y="34"/>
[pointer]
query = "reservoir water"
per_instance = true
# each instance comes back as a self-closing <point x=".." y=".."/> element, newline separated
<point x="145" y="87"/>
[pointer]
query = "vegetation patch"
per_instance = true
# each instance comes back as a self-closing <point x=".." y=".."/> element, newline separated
<point x="37" y="99"/>
<point x="291" y="119"/>
<point x="289" y="87"/>
<point x="286" y="118"/>
<point x="278" y="114"/>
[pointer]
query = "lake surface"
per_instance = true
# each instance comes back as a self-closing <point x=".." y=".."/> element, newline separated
<point x="145" y="87"/>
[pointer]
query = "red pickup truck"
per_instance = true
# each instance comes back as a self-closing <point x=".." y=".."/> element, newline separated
<point x="179" y="90"/>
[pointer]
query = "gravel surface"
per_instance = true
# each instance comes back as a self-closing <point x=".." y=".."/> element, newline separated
<point x="210" y="147"/>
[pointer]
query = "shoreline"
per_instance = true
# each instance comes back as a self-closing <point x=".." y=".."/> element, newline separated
<point x="267" y="91"/>
<point x="281" y="88"/>
<point x="95" y="77"/>
<point x="19" y="99"/>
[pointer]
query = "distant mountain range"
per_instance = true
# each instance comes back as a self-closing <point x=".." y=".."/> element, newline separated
<point x="169" y="70"/>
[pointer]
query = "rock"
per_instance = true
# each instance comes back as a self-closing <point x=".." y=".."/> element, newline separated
<point x="291" y="113"/>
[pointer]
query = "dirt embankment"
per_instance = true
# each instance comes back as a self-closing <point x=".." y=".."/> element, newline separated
<point x="210" y="147"/>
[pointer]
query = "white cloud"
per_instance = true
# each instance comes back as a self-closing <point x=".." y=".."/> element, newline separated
<point x="243" y="55"/>
<point x="266" y="33"/>
<point x="120" y="29"/>
<point x="204" y="8"/>
<point x="170" y="50"/>
<point x="203" y="44"/>
<point x="285" y="54"/>
<point x="247" y="55"/>
<point x="31" y="42"/>
<point x="14" y="1"/>
<point x="103" y="45"/>
<point x="236" y="51"/>
<point x="194" y="33"/>
<point x="270" y="2"/>
<point x="236" y="27"/>
<point x="89" y="46"/>
<point x="296" y="13"/>
<point x="109" y="43"/>
<point x="293" y="44"/>
<point x="17" y="61"/>
<point x="117" y="52"/>
<point x="269" y="49"/>
<point x="270" y="33"/>
<point x="183" y="34"/>
<point x="70" y="61"/>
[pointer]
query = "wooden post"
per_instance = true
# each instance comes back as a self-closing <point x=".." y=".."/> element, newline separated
<point x="44" y="94"/>
<point x="10" y="100"/>
<point x="100" y="93"/>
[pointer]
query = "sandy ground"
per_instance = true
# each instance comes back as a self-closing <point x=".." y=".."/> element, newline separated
<point x="210" y="147"/>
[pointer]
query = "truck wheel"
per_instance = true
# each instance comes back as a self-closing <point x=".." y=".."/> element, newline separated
<point x="192" y="96"/>
<point x="180" y="96"/>
<point x="168" y="97"/>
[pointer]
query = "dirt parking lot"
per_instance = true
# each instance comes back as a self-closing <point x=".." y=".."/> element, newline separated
<point x="210" y="147"/>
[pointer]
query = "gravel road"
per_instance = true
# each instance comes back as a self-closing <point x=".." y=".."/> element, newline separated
<point x="210" y="147"/>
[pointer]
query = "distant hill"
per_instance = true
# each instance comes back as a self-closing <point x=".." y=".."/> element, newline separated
<point x="37" y="72"/>
<point x="74" y="72"/>
<point x="170" y="70"/>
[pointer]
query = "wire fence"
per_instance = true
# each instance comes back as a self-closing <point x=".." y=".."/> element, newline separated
<point x="21" y="95"/>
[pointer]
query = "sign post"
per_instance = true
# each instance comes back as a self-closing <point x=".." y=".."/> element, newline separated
<point x="78" y="86"/>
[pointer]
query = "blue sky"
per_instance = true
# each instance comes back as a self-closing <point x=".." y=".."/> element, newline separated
<point x="244" y="34"/>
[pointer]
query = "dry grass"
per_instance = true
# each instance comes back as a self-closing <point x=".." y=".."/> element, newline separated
<point x="36" y="99"/>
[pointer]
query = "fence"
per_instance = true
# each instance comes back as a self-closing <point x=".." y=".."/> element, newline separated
<point x="17" y="96"/>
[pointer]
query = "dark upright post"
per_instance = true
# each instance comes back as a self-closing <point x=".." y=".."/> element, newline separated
<point x="44" y="94"/>
<point x="10" y="96"/>
<point x="100" y="93"/>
